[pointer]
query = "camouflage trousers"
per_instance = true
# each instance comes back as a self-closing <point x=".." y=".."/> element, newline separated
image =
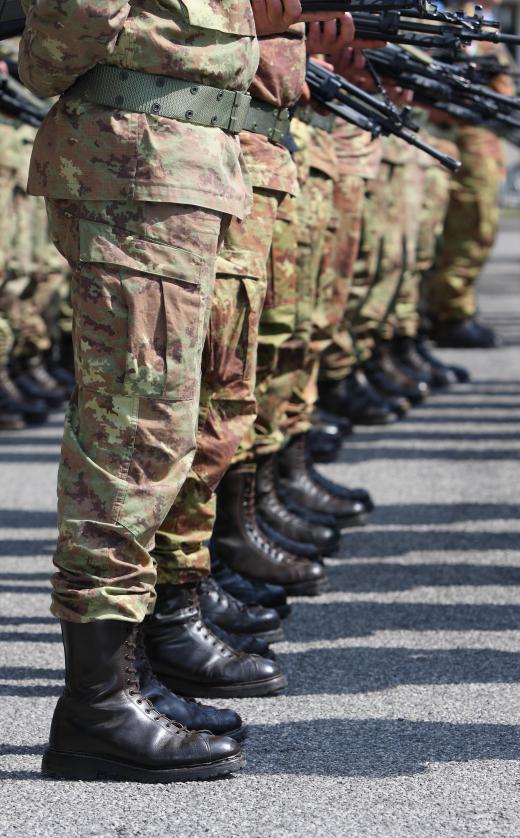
<point x="436" y="196"/>
<point x="227" y="401"/>
<point x="279" y="352"/>
<point x="337" y="358"/>
<point x="6" y="341"/>
<point x="381" y="265"/>
<point x="403" y="318"/>
<point x="142" y="282"/>
<point x="470" y="227"/>
<point x="315" y="308"/>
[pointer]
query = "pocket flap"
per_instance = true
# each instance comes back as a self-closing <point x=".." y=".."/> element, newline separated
<point x="115" y="246"/>
<point x="236" y="18"/>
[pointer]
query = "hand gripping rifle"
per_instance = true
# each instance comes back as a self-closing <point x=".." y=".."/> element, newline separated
<point x="341" y="97"/>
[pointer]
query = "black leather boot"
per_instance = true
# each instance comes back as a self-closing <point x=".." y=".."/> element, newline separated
<point x="450" y="373"/>
<point x="356" y="494"/>
<point x="10" y="418"/>
<point x="187" y="711"/>
<point x="392" y="381"/>
<point x="36" y="383"/>
<point x="343" y="424"/>
<point x="191" y="660"/>
<point x="408" y="359"/>
<point x="33" y="411"/>
<point x="282" y="519"/>
<point x="297" y="479"/>
<point x="324" y="442"/>
<point x="242" y="642"/>
<point x="242" y="545"/>
<point x="464" y="334"/>
<point x="232" y="615"/>
<point x="298" y="548"/>
<point x="103" y="727"/>
<point x="250" y="591"/>
<point x="357" y="400"/>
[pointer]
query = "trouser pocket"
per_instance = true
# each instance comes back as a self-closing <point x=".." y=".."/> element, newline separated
<point x="139" y="317"/>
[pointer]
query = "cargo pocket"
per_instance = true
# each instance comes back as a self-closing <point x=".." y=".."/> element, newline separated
<point x="140" y="332"/>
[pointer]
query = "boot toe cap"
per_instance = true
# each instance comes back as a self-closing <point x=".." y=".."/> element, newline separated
<point x="222" y="747"/>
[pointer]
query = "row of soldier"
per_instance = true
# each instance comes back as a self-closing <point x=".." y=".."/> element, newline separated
<point x="176" y="556"/>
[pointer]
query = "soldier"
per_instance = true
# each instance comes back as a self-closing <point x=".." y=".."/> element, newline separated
<point x="228" y="403"/>
<point x="15" y="409"/>
<point x="469" y="230"/>
<point x="140" y="182"/>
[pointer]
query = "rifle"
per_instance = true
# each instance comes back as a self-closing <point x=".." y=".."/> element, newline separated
<point x="481" y="69"/>
<point x="342" y="97"/>
<point x="12" y="18"/>
<point x="430" y="29"/>
<point x="16" y="101"/>
<point x="415" y="22"/>
<point x="441" y="86"/>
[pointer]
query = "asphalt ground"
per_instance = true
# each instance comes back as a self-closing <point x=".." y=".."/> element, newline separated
<point x="402" y="714"/>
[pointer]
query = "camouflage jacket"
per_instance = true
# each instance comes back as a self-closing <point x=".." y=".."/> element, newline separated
<point x="89" y="152"/>
<point x="278" y="81"/>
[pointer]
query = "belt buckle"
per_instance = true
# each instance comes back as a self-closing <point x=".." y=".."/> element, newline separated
<point x="239" y="111"/>
<point x="281" y="124"/>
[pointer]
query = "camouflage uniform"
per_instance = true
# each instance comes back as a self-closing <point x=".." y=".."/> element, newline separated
<point x="470" y="225"/>
<point x="34" y="271"/>
<point x="228" y="403"/>
<point x="403" y="318"/>
<point x="315" y="277"/>
<point x="436" y="195"/>
<point x="137" y="204"/>
<point x="472" y="217"/>
<point x="382" y="264"/>
<point x="359" y="159"/>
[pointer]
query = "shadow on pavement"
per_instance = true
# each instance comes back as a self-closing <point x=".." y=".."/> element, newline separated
<point x="442" y="513"/>
<point x="354" y="670"/>
<point x="375" y="748"/>
<point x="367" y="544"/>
<point x="363" y="454"/>
<point x="27" y="518"/>
<point x="333" y="620"/>
<point x="395" y="576"/>
<point x="26" y="546"/>
<point x="24" y="439"/>
<point x="26" y="457"/>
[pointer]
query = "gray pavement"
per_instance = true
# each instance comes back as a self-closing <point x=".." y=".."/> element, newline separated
<point x="402" y="717"/>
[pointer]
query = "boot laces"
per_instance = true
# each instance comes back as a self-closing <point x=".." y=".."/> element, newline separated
<point x="254" y="531"/>
<point x="206" y="632"/>
<point x="134" y="646"/>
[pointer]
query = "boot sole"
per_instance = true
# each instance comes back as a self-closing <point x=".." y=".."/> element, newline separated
<point x="306" y="588"/>
<point x="353" y="521"/>
<point x="238" y="735"/>
<point x="254" y="689"/>
<point x="386" y="420"/>
<point x="82" y="767"/>
<point x="274" y="636"/>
